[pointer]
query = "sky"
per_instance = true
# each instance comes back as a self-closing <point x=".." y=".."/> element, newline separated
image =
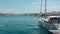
<point x="28" y="6"/>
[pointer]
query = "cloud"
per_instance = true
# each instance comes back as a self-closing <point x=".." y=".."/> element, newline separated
<point x="7" y="11"/>
<point x="35" y="7"/>
<point x="53" y="8"/>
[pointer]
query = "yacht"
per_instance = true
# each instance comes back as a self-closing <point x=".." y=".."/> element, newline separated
<point x="52" y="23"/>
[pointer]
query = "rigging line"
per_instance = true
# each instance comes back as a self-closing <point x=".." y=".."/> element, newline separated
<point x="40" y="10"/>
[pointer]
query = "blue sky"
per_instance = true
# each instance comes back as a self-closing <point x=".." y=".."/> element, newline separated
<point x="27" y="6"/>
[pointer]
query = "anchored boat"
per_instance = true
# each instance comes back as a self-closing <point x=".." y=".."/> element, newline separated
<point x="52" y="23"/>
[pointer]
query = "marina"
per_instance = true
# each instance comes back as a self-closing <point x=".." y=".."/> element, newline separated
<point x="29" y="17"/>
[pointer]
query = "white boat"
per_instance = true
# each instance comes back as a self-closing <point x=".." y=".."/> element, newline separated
<point x="46" y="20"/>
<point x="53" y="27"/>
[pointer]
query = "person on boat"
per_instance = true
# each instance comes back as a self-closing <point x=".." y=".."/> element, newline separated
<point x="53" y="20"/>
<point x="59" y="20"/>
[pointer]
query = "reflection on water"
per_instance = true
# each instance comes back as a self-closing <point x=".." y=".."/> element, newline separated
<point x="21" y="25"/>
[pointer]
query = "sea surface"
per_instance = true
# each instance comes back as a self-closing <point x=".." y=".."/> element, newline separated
<point x="21" y="25"/>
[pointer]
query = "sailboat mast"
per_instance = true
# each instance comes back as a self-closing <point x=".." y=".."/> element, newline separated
<point x="40" y="10"/>
<point x="45" y="6"/>
<point x="41" y="7"/>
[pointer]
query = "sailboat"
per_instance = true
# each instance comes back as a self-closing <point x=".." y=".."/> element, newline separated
<point x="50" y="22"/>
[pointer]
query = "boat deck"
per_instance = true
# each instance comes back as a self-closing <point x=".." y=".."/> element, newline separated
<point x="55" y="31"/>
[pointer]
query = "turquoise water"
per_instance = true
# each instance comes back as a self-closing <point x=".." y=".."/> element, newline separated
<point x="21" y="25"/>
